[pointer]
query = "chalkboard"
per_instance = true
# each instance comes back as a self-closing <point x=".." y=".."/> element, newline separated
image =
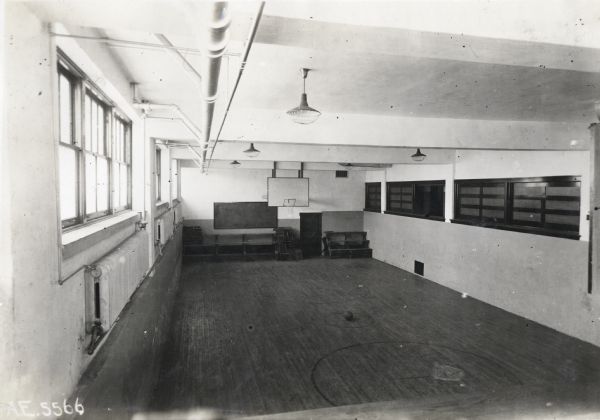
<point x="245" y="215"/>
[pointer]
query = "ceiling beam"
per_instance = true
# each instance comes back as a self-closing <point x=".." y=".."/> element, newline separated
<point x="372" y="130"/>
<point x="365" y="40"/>
<point x="229" y="151"/>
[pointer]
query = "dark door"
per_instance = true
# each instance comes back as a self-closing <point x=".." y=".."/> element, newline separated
<point x="310" y="234"/>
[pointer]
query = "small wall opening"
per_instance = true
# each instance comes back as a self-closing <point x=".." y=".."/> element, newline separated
<point x="419" y="268"/>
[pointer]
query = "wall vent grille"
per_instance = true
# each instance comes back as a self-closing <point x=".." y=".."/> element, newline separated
<point x="419" y="268"/>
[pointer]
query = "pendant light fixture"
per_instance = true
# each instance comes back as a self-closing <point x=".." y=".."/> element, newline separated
<point x="251" y="151"/>
<point x="418" y="157"/>
<point x="235" y="164"/>
<point x="304" y="114"/>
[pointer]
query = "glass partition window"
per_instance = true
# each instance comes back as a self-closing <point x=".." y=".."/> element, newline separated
<point x="547" y="206"/>
<point x="373" y="196"/>
<point x="423" y="199"/>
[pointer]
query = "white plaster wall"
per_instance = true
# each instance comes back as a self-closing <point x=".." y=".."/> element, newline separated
<point x="326" y="192"/>
<point x="541" y="278"/>
<point x="43" y="352"/>
<point x="44" y="344"/>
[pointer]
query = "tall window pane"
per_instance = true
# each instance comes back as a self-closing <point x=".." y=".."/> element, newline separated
<point x="116" y="186"/>
<point x="90" y="184"/>
<point x="88" y="122"/>
<point x="65" y="98"/>
<point x="101" y="140"/>
<point x="68" y="182"/>
<point x="124" y="178"/>
<point x="94" y="137"/>
<point x="174" y="179"/>
<point x="157" y="171"/>
<point x="121" y="166"/>
<point x="102" y="184"/>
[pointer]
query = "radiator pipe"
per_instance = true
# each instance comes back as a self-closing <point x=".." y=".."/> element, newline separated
<point x="97" y="332"/>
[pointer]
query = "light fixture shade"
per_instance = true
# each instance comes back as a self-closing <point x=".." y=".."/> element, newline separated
<point x="235" y="164"/>
<point x="418" y="157"/>
<point x="251" y="151"/>
<point x="303" y="113"/>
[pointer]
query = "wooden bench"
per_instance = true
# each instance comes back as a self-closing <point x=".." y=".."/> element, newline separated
<point x="247" y="244"/>
<point x="347" y="244"/>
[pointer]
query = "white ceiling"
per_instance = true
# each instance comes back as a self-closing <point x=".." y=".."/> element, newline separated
<point x="443" y="74"/>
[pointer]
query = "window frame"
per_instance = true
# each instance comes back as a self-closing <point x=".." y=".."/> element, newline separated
<point x="369" y="185"/>
<point x="128" y="151"/>
<point x="107" y="113"/>
<point x="158" y="174"/>
<point x="413" y="185"/>
<point x="66" y="68"/>
<point x="174" y="180"/>
<point x="508" y="222"/>
<point x="82" y="86"/>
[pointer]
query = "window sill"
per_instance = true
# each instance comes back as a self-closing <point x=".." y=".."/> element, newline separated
<point x="372" y="210"/>
<point x="83" y="236"/>
<point x="161" y="208"/>
<point x="417" y="216"/>
<point x="521" y="229"/>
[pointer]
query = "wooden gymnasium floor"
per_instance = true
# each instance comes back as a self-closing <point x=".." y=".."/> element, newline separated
<point x="263" y="337"/>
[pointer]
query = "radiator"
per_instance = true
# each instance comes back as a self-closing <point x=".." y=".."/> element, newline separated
<point x="117" y="276"/>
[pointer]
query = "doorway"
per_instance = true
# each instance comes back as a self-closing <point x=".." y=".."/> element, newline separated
<point x="310" y="234"/>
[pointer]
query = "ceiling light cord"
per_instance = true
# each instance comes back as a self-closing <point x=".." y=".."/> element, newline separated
<point x="304" y="84"/>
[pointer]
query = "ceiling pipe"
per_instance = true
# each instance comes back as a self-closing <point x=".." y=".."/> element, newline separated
<point x="217" y="40"/>
<point x="148" y="107"/>
<point x="249" y="42"/>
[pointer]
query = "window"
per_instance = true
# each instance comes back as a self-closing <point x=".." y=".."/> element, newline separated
<point x="373" y="196"/>
<point x="417" y="199"/>
<point x="174" y="179"/>
<point x="121" y="163"/>
<point x="96" y="155"/>
<point x="94" y="150"/>
<point x="68" y="149"/>
<point x="157" y="170"/>
<point x="546" y="206"/>
<point x="482" y="201"/>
